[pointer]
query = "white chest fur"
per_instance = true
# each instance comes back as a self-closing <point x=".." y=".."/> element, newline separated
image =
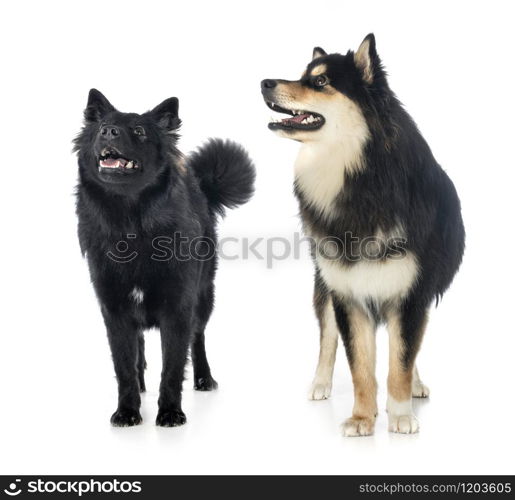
<point x="336" y="150"/>
<point x="320" y="171"/>
<point x="319" y="175"/>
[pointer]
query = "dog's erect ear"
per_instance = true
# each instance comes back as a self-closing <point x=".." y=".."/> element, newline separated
<point x="365" y="57"/>
<point x="166" y="114"/>
<point x="318" y="52"/>
<point x="98" y="106"/>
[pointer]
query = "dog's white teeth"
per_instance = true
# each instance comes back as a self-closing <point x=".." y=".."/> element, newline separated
<point x="305" y="121"/>
<point x="129" y="165"/>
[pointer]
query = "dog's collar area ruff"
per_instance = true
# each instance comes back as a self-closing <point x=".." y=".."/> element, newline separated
<point x="112" y="161"/>
<point x="301" y="120"/>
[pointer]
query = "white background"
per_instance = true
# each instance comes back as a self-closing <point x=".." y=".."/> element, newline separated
<point x="451" y="63"/>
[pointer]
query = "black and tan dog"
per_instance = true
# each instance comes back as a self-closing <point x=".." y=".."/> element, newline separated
<point x="384" y="218"/>
<point x="136" y="188"/>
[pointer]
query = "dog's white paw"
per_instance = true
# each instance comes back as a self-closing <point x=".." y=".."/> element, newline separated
<point x="319" y="390"/>
<point x="419" y="390"/>
<point x="354" y="427"/>
<point x="403" y="424"/>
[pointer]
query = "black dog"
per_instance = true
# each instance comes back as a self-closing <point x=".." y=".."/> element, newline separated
<point x="147" y="224"/>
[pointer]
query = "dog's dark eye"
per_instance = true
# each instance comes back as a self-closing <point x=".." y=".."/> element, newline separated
<point x="321" y="81"/>
<point x="139" y="130"/>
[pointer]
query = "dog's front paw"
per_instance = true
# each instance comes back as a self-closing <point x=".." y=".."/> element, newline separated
<point x="320" y="390"/>
<point x="358" y="426"/>
<point x="170" y="418"/>
<point x="124" y="417"/>
<point x="206" y="384"/>
<point x="403" y="424"/>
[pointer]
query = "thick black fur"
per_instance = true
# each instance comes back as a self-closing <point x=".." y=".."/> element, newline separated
<point x="148" y="208"/>
<point x="401" y="184"/>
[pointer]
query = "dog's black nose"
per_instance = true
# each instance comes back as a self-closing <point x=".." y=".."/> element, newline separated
<point x="268" y="84"/>
<point x="109" y="132"/>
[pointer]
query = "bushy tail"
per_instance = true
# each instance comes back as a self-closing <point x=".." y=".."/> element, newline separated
<point x="226" y="173"/>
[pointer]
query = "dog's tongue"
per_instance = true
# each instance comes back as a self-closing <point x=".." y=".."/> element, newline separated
<point x="297" y="118"/>
<point x="110" y="162"/>
<point x="113" y="162"/>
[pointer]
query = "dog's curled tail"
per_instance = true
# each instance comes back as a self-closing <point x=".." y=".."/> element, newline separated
<point x="226" y="173"/>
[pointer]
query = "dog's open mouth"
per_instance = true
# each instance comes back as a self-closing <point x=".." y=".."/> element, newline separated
<point x="297" y="119"/>
<point x="112" y="161"/>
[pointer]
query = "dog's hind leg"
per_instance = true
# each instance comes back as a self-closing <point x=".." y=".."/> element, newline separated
<point x="418" y="388"/>
<point x="323" y="380"/>
<point x="142" y="364"/>
<point x="358" y="333"/>
<point x="406" y="328"/>
<point x="203" y="380"/>
<point x="176" y="329"/>
<point x="123" y="340"/>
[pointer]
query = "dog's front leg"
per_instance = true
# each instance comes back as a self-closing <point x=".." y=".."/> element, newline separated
<point x="358" y="333"/>
<point x="323" y="381"/>
<point x="123" y="340"/>
<point x="175" y="340"/>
